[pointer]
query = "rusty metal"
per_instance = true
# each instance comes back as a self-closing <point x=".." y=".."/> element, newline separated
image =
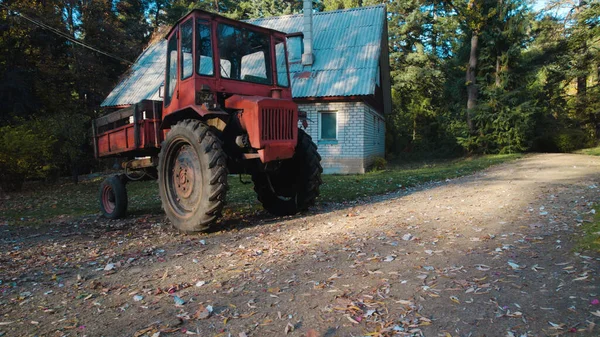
<point x="140" y="163"/>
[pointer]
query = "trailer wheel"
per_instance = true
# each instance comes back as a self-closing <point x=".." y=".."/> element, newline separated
<point x="113" y="198"/>
<point x="192" y="176"/>
<point x="295" y="185"/>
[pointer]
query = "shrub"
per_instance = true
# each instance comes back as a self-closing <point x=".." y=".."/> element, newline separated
<point x="378" y="164"/>
<point x="24" y="151"/>
<point x="565" y="140"/>
<point x="570" y="140"/>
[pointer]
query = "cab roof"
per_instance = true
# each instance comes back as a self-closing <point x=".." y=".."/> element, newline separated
<point x="213" y="16"/>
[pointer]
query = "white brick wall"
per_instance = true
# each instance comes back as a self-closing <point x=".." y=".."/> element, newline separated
<point x="358" y="139"/>
<point x="374" y="143"/>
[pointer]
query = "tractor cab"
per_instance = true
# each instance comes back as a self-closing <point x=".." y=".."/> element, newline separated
<point x="216" y="66"/>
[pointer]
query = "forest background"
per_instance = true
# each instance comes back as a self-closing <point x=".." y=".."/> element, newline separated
<point x="468" y="76"/>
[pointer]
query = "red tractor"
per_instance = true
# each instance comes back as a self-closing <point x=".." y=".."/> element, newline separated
<point x="227" y="109"/>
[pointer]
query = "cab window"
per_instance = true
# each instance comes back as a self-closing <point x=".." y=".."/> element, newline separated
<point x="204" y="56"/>
<point x="244" y="54"/>
<point x="187" y="64"/>
<point x="171" y="71"/>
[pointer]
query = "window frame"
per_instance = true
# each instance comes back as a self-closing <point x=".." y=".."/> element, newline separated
<point x="267" y="54"/>
<point x="170" y="92"/>
<point x="181" y="57"/>
<point x="335" y="113"/>
<point x="208" y="25"/>
<point x="291" y="40"/>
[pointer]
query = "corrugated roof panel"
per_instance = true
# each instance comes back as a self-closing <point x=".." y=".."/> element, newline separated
<point x="286" y="24"/>
<point x="346" y="45"/>
<point x="368" y="36"/>
<point x="143" y="79"/>
<point x="327" y="83"/>
<point x="343" y="37"/>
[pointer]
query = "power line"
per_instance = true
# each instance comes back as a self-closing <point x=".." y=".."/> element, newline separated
<point x="63" y="35"/>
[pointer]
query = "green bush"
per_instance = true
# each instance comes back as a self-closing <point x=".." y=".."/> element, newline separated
<point x="24" y="152"/>
<point x="565" y="140"/>
<point x="570" y="140"/>
<point x="378" y="164"/>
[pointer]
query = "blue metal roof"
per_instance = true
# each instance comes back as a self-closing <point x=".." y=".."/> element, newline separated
<point x="346" y="46"/>
<point x="143" y="79"/>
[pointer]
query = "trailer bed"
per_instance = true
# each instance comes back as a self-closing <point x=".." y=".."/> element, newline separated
<point x="131" y="131"/>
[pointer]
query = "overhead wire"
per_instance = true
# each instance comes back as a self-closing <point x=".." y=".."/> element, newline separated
<point x="64" y="35"/>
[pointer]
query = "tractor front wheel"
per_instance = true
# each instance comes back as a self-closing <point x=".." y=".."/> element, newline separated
<point x="192" y="176"/>
<point x="294" y="186"/>
<point x="113" y="197"/>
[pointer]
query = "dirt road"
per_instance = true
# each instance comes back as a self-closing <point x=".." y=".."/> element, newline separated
<point x="488" y="254"/>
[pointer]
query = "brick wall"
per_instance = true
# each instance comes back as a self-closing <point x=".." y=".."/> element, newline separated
<point x="358" y="140"/>
<point x="374" y="136"/>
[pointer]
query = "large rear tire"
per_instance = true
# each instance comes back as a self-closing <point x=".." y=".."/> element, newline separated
<point x="113" y="197"/>
<point x="295" y="185"/>
<point x="192" y="176"/>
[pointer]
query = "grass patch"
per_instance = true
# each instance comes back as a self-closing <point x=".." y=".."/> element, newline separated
<point x="593" y="151"/>
<point x="340" y="188"/>
<point x="40" y="203"/>
<point x="591" y="234"/>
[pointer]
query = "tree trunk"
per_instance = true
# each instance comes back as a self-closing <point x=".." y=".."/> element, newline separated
<point x="498" y="70"/>
<point x="414" y="130"/>
<point x="471" y="80"/>
<point x="434" y="31"/>
<point x="156" y="15"/>
<point x="582" y="67"/>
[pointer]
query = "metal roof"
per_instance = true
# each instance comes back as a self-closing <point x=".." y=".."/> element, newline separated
<point x="346" y="46"/>
<point x="143" y="79"/>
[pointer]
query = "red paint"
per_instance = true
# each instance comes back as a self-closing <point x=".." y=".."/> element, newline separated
<point x="272" y="124"/>
<point x="266" y="111"/>
<point x="185" y="90"/>
<point x="121" y="139"/>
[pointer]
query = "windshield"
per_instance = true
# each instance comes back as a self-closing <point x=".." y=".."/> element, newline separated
<point x="244" y="54"/>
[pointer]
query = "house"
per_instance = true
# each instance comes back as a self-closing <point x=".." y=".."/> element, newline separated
<point x="339" y="68"/>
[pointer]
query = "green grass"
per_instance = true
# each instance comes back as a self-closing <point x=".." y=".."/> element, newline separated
<point x="594" y="151"/>
<point x="339" y="188"/>
<point x="591" y="234"/>
<point x="40" y="203"/>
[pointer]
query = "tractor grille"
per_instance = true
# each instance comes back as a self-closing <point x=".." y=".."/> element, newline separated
<point x="277" y="124"/>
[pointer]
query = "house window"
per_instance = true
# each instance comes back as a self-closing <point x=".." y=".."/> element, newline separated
<point x="295" y="48"/>
<point x="328" y="123"/>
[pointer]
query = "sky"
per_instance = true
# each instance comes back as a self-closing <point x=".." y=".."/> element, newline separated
<point x="540" y="4"/>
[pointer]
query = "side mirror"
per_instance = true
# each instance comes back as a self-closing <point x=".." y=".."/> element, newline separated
<point x="303" y="118"/>
<point x="161" y="91"/>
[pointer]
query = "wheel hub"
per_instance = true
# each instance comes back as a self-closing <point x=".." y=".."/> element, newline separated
<point x="108" y="199"/>
<point x="184" y="179"/>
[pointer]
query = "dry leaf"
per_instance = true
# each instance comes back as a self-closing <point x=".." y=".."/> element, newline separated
<point x="482" y="267"/>
<point x="312" y="333"/>
<point x="288" y="328"/>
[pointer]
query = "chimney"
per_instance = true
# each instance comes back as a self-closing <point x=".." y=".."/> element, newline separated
<point x="308" y="57"/>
